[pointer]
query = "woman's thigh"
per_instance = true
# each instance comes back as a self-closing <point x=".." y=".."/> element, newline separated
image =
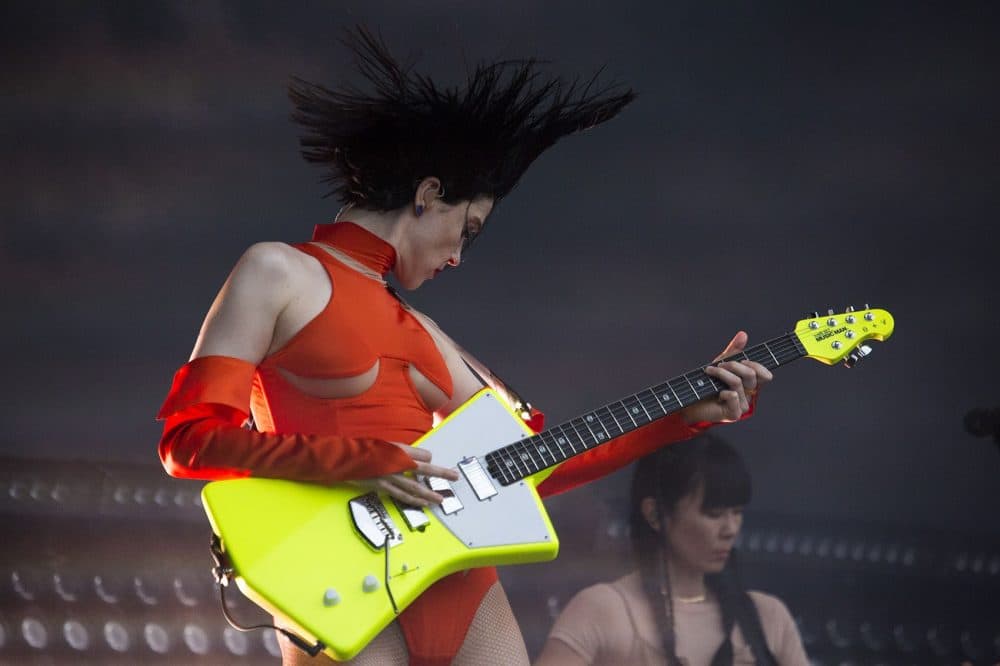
<point x="494" y="637"/>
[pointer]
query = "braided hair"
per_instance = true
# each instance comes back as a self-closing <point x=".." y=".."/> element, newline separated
<point x="376" y="146"/>
<point x="671" y="473"/>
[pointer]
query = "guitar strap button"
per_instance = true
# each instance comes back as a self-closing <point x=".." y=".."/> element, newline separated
<point x="331" y="597"/>
<point x="370" y="583"/>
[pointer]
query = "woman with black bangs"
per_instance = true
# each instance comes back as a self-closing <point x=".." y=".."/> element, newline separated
<point x="685" y="604"/>
<point x="339" y="375"/>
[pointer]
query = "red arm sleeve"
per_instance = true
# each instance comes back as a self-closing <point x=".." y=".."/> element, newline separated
<point x="203" y="438"/>
<point x="612" y="456"/>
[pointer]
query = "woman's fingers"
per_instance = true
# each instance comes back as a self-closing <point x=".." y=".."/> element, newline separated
<point x="408" y="490"/>
<point x="426" y="469"/>
<point x="423" y="459"/>
<point x="734" y="379"/>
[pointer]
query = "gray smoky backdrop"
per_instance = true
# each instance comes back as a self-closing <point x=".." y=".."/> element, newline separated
<point x="780" y="158"/>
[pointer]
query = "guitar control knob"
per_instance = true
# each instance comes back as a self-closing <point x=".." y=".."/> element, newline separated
<point x="331" y="597"/>
<point x="370" y="583"/>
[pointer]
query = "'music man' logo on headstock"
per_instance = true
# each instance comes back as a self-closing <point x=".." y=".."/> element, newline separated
<point x="829" y="333"/>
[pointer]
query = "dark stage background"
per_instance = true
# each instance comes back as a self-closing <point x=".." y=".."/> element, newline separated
<point x="781" y="158"/>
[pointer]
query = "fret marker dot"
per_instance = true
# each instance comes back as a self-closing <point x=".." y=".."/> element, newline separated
<point x="562" y="440"/>
<point x="701" y="383"/>
<point x="635" y="410"/>
<point x="510" y="463"/>
<point x="524" y="456"/>
<point x="665" y="397"/>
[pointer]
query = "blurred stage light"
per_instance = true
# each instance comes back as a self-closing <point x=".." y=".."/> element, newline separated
<point x="196" y="639"/>
<point x="874" y="636"/>
<point x="36" y="631"/>
<point x="942" y="641"/>
<point x="28" y="583"/>
<point x="270" y="640"/>
<point x="150" y="589"/>
<point x="840" y="633"/>
<point x="78" y="635"/>
<point x="192" y="590"/>
<point x="112" y="588"/>
<point x="906" y="638"/>
<point x="69" y="587"/>
<point x="117" y="636"/>
<point x="237" y="642"/>
<point x="157" y="637"/>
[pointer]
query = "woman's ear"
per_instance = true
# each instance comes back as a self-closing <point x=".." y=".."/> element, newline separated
<point x="428" y="191"/>
<point x="649" y="512"/>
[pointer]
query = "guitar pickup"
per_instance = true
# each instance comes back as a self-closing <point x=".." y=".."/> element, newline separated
<point x="414" y="516"/>
<point x="451" y="504"/>
<point x="477" y="478"/>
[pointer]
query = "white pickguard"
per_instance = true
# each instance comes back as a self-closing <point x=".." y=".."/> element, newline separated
<point x="512" y="516"/>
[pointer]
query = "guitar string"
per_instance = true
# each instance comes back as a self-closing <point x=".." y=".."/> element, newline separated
<point x="771" y="350"/>
<point x="780" y="350"/>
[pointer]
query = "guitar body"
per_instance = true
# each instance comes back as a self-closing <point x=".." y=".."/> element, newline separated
<point x="314" y="555"/>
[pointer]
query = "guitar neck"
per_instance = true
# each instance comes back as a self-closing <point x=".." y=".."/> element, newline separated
<point x="514" y="462"/>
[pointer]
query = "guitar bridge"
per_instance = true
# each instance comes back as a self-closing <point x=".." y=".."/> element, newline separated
<point x="373" y="521"/>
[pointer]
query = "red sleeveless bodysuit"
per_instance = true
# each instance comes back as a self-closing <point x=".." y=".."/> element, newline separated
<point x="308" y="438"/>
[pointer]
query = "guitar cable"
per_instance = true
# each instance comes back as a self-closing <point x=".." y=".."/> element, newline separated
<point x="388" y="588"/>
<point x="223" y="574"/>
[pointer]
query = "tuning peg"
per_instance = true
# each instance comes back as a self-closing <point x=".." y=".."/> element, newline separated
<point x="812" y="315"/>
<point x="850" y="308"/>
<point x="856" y="355"/>
<point x="830" y="311"/>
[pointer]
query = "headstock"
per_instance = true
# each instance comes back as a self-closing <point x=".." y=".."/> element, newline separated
<point x="839" y="336"/>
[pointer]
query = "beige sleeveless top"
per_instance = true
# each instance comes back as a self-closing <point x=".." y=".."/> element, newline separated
<point x="612" y="623"/>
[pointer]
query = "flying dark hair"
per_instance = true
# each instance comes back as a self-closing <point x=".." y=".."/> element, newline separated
<point x="478" y="140"/>
<point x="671" y="473"/>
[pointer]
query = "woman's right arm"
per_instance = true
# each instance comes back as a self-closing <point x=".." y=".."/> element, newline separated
<point x="209" y="401"/>
<point x="592" y="628"/>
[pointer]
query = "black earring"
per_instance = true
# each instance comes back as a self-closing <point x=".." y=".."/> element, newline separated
<point x="419" y="209"/>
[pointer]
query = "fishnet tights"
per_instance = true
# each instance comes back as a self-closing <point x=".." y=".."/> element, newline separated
<point x="493" y="638"/>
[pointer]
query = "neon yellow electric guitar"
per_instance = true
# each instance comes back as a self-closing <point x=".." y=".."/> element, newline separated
<point x="335" y="564"/>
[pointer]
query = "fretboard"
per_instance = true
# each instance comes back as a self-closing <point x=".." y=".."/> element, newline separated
<point x="552" y="446"/>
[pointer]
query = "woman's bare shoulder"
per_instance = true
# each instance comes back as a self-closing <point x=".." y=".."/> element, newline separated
<point x="770" y="607"/>
<point x="274" y="257"/>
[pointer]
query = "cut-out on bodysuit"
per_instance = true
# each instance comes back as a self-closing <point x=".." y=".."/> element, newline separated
<point x="364" y="339"/>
